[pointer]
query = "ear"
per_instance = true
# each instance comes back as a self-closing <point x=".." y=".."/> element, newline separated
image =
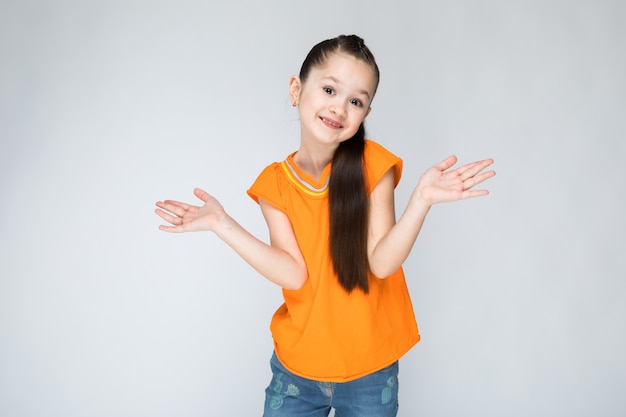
<point x="369" y="110"/>
<point x="295" y="85"/>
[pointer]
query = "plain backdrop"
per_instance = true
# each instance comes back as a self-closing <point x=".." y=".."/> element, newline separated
<point x="109" y="106"/>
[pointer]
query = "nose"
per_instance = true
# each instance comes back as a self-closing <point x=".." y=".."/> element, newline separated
<point x="339" y="109"/>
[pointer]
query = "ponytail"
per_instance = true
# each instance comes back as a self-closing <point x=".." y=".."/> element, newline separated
<point x="349" y="214"/>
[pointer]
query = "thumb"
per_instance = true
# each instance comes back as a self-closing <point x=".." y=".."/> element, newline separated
<point x="446" y="163"/>
<point x="201" y="194"/>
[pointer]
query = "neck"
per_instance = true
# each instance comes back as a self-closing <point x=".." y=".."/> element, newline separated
<point x="313" y="161"/>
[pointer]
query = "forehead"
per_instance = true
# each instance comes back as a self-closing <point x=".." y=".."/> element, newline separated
<point x="348" y="71"/>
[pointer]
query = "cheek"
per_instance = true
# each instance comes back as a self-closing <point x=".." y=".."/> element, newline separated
<point x="359" y="117"/>
<point x="354" y="126"/>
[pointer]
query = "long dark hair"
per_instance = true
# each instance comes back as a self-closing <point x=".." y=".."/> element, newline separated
<point x="348" y="201"/>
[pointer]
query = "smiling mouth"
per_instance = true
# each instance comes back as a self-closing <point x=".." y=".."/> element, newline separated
<point x="331" y="123"/>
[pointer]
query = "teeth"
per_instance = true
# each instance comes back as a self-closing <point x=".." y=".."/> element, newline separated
<point x="332" y="124"/>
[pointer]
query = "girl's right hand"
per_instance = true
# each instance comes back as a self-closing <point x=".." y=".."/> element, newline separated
<point x="188" y="218"/>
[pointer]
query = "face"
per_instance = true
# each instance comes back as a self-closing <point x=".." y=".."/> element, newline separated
<point x="334" y="99"/>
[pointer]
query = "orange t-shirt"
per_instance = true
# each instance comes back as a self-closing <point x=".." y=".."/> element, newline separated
<point x="321" y="332"/>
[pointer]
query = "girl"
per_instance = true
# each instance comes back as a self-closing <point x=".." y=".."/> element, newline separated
<point x="335" y="246"/>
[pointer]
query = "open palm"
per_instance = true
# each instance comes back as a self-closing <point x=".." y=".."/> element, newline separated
<point x="185" y="217"/>
<point x="438" y="184"/>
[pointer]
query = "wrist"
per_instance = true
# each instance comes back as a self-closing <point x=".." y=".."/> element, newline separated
<point x="420" y="201"/>
<point x="221" y="224"/>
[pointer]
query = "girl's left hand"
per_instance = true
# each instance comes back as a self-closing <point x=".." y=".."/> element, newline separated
<point x="437" y="185"/>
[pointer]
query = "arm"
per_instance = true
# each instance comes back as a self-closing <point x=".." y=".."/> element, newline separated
<point x="389" y="243"/>
<point x="281" y="262"/>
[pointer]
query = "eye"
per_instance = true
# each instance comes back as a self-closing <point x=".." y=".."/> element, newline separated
<point x="328" y="90"/>
<point x="356" y="102"/>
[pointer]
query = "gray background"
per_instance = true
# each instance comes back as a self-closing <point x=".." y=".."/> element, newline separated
<point x="108" y="106"/>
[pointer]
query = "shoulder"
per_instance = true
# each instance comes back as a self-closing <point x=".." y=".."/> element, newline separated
<point x="268" y="174"/>
<point x="377" y="161"/>
<point x="267" y="185"/>
<point x="375" y="147"/>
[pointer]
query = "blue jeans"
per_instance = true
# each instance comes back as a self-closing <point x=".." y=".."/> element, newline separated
<point x="374" y="395"/>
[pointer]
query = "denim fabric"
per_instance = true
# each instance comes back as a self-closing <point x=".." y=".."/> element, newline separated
<point x="374" y="395"/>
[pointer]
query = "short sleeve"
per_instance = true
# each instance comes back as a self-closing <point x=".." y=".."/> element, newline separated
<point x="378" y="161"/>
<point x="266" y="187"/>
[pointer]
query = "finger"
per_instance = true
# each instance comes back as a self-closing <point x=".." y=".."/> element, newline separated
<point x="477" y="179"/>
<point x="175" y="220"/>
<point x="446" y="163"/>
<point x="180" y="204"/>
<point x="201" y="194"/>
<point x="172" y="206"/>
<point x="474" y="193"/>
<point x="171" y="229"/>
<point x="473" y="168"/>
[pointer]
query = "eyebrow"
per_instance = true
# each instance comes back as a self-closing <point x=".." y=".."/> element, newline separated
<point x="331" y="78"/>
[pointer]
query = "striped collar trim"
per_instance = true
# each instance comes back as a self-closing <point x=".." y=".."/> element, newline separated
<point x="301" y="183"/>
